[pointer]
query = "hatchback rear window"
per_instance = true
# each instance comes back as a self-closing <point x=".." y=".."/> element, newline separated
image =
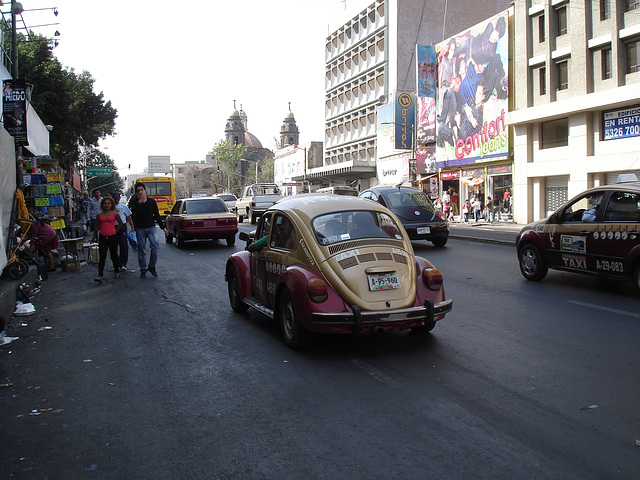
<point x="205" y="206"/>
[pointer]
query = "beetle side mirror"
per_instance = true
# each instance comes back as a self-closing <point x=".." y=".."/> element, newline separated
<point x="244" y="236"/>
<point x="555" y="218"/>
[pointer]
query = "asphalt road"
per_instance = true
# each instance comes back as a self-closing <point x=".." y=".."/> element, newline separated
<point x="158" y="378"/>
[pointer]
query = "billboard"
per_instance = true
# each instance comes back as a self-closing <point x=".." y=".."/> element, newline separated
<point x="404" y="119"/>
<point x="14" y="109"/>
<point x="622" y="123"/>
<point x="472" y="99"/>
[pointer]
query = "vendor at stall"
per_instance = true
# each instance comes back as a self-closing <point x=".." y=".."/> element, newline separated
<point x="45" y="239"/>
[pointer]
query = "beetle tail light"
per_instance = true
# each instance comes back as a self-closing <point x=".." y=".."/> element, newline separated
<point x="441" y="216"/>
<point x="317" y="290"/>
<point x="432" y="278"/>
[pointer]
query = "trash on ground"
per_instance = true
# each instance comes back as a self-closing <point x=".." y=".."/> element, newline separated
<point x="46" y="327"/>
<point x="4" y="340"/>
<point x="24" y="309"/>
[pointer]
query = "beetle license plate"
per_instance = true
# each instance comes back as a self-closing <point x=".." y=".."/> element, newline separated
<point x="383" y="281"/>
<point x="423" y="230"/>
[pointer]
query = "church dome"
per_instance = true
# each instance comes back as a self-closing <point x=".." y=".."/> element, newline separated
<point x="250" y="140"/>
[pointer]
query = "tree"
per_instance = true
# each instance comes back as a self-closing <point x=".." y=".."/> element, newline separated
<point x="64" y="99"/>
<point x="265" y="170"/>
<point x="228" y="157"/>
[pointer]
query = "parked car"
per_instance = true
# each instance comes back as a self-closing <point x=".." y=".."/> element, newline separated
<point x="420" y="218"/>
<point x="596" y="233"/>
<point x="229" y="200"/>
<point x="198" y="218"/>
<point x="335" y="264"/>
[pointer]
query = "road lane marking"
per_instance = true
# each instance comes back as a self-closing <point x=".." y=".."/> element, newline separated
<point x="606" y="309"/>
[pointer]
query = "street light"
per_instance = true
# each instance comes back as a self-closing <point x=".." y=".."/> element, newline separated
<point x="412" y="160"/>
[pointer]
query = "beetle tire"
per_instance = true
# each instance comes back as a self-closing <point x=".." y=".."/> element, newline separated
<point x="294" y="334"/>
<point x="233" y="285"/>
<point x="636" y="277"/>
<point x="532" y="265"/>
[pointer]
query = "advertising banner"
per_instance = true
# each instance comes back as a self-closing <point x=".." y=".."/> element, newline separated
<point x="473" y="95"/>
<point x="404" y="119"/>
<point x="14" y="109"/>
<point x="426" y="66"/>
<point x="622" y="123"/>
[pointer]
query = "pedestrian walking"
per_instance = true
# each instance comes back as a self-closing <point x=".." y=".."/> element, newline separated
<point x="123" y="242"/>
<point x="94" y="208"/>
<point x="477" y="209"/>
<point x="144" y="212"/>
<point x="466" y="210"/>
<point x="84" y="204"/>
<point x="107" y="225"/>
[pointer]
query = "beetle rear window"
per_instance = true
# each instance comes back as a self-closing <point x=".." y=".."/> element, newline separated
<point x="340" y="226"/>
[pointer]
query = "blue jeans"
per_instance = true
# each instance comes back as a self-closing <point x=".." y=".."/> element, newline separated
<point x="143" y="234"/>
<point x="123" y="246"/>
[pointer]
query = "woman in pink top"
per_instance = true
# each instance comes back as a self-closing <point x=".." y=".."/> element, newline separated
<point x="107" y="224"/>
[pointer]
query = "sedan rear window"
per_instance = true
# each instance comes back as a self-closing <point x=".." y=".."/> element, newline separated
<point x="212" y="205"/>
<point x="341" y="226"/>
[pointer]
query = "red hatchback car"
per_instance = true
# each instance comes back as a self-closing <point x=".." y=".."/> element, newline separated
<point x="201" y="218"/>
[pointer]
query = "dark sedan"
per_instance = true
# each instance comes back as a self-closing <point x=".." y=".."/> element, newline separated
<point x="419" y="217"/>
<point x="201" y="218"/>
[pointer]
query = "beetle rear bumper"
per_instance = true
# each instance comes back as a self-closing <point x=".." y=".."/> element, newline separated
<point x="424" y="314"/>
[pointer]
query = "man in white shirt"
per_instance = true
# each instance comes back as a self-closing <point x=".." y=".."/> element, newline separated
<point x="125" y="216"/>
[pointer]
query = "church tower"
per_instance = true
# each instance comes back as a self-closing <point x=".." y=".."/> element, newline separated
<point x="235" y="128"/>
<point x="289" y="133"/>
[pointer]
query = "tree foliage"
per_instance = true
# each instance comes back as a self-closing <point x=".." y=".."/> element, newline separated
<point x="228" y="156"/>
<point x="64" y="99"/>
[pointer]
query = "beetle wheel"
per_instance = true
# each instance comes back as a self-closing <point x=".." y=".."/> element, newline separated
<point x="636" y="277"/>
<point x="295" y="335"/>
<point x="532" y="265"/>
<point x="233" y="284"/>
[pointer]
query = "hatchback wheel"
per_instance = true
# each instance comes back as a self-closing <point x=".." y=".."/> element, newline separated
<point x="532" y="265"/>
<point x="440" y="242"/>
<point x="295" y="335"/>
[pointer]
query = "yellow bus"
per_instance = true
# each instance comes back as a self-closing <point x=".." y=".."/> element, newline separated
<point x="162" y="190"/>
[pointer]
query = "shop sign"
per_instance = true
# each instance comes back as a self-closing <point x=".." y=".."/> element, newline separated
<point x="622" y="123"/>
<point x="452" y="175"/>
<point x="499" y="169"/>
<point x="405" y="114"/>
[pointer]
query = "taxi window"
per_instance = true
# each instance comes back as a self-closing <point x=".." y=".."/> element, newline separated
<point x="283" y="235"/>
<point x="340" y="226"/>
<point x="265" y="222"/>
<point x="623" y="207"/>
<point x="583" y="209"/>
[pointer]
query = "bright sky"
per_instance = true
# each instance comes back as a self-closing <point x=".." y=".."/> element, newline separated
<point x="173" y="69"/>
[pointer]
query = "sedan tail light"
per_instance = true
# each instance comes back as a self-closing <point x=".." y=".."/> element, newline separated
<point x="432" y="278"/>
<point x="228" y="221"/>
<point x="317" y="290"/>
<point x="192" y="223"/>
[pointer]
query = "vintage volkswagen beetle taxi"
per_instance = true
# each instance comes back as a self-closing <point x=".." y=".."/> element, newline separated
<point x="335" y="264"/>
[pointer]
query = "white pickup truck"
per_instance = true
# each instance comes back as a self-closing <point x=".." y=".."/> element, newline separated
<point x="255" y="200"/>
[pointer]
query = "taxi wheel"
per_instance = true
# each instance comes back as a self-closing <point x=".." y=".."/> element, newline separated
<point x="295" y="335"/>
<point x="237" y="305"/>
<point x="168" y="238"/>
<point x="532" y="265"/>
<point x="636" y="277"/>
<point x="180" y="241"/>
<point x="231" y="240"/>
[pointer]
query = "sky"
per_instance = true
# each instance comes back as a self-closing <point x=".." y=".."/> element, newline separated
<point x="172" y="70"/>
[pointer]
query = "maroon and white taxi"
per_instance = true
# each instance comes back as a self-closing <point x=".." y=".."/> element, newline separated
<point x="597" y="233"/>
<point x="335" y="264"/>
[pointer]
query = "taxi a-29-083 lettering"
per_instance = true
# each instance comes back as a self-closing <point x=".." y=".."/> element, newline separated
<point x="596" y="233"/>
<point x="335" y="264"/>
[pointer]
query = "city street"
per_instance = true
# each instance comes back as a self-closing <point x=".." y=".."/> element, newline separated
<point x="159" y="379"/>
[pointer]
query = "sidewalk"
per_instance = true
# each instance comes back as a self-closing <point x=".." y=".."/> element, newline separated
<point x="501" y="232"/>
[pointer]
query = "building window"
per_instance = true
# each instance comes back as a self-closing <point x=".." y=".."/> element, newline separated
<point x="542" y="80"/>
<point x="605" y="9"/>
<point x="633" y="56"/>
<point x="541" y="29"/>
<point x="561" y="13"/>
<point x="555" y="133"/>
<point x="605" y="57"/>
<point x="563" y="75"/>
<point x="632" y="4"/>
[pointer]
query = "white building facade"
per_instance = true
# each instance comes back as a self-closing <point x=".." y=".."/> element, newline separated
<point x="576" y="99"/>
